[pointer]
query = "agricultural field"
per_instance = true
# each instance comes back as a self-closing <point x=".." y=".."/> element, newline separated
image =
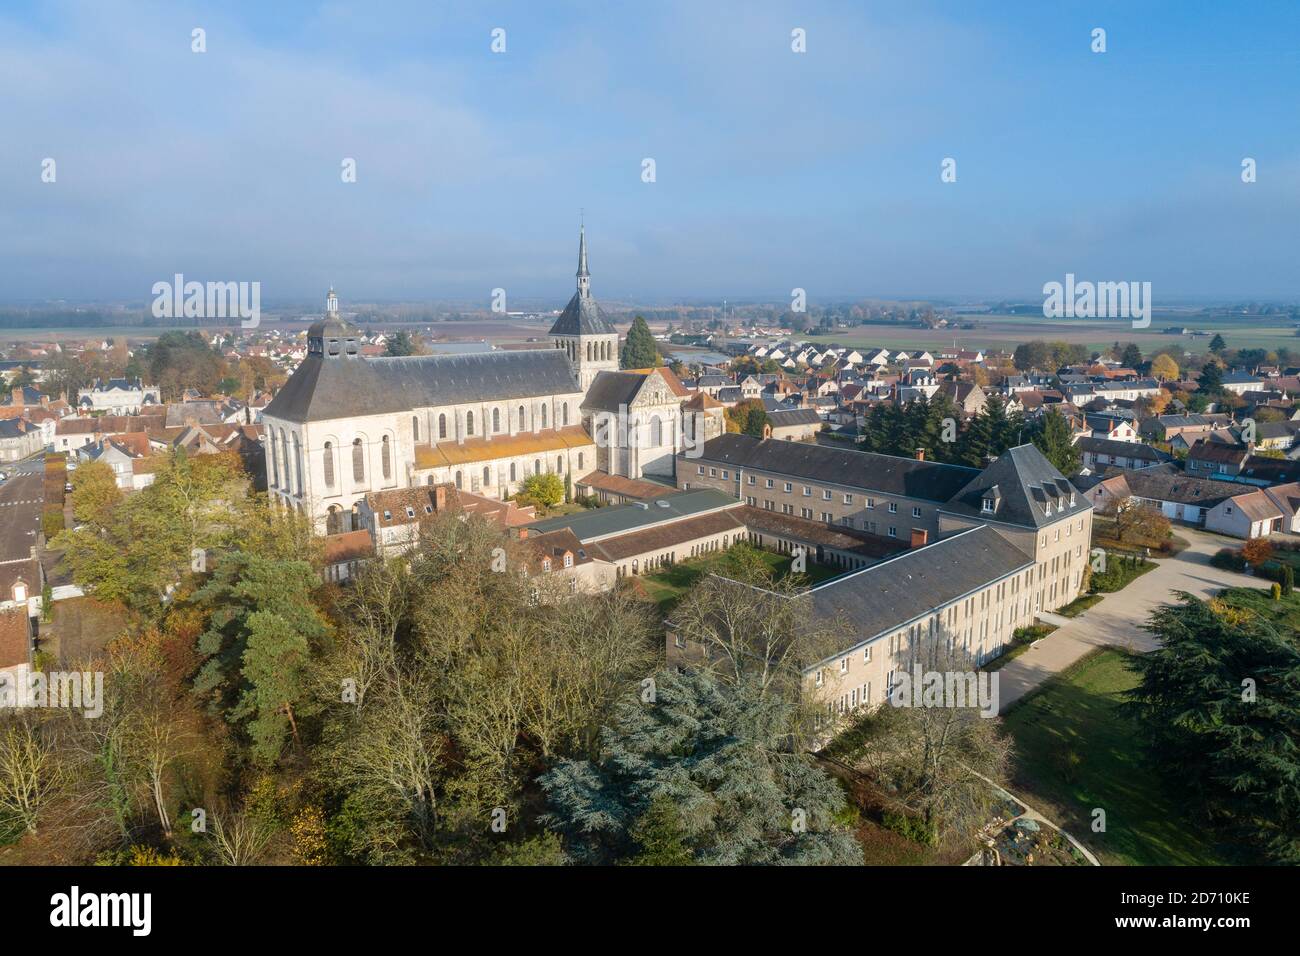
<point x="1008" y="331"/>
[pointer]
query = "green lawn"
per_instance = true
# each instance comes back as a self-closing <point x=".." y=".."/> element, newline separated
<point x="666" y="587"/>
<point x="1075" y="716"/>
<point x="1284" y="615"/>
<point x="1119" y="574"/>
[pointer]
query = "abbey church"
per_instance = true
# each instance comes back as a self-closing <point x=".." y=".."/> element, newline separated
<point x="345" y="425"/>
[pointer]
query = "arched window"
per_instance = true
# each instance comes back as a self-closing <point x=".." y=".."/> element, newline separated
<point x="386" y="458"/>
<point x="512" y="471"/>
<point x="559" y="464"/>
<point x="543" y="415"/>
<point x="537" y="466"/>
<point x="487" y="476"/>
<point x="358" y="461"/>
<point x="442" y="426"/>
<point x="579" y="461"/>
<point x="297" y="462"/>
<point x="415" y="427"/>
<point x="522" y="426"/>
<point x="275" y="463"/>
<point x="496" y="419"/>
<point x="328" y="460"/>
<point x="656" y="432"/>
<point x="564" y="413"/>
<point x="469" y="423"/>
<point x="458" y="481"/>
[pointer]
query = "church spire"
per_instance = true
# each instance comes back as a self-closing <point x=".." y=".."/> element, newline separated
<point x="584" y="277"/>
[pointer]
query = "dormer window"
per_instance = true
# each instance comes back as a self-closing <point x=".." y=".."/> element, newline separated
<point x="987" y="505"/>
<point x="333" y="346"/>
<point x="546" y="564"/>
<point x="568" y="560"/>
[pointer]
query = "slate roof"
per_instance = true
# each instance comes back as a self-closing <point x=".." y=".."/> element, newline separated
<point x="891" y="594"/>
<point x="583" y="316"/>
<point x="1270" y="471"/>
<point x="601" y="523"/>
<point x="1028" y="483"/>
<point x="30" y="396"/>
<point x="1128" y="449"/>
<point x="794" y="416"/>
<point x="623" y="546"/>
<point x="14" y="428"/>
<point x="610" y="390"/>
<point x="325" y="388"/>
<point x="926" y="480"/>
<point x="1218" y="453"/>
<point x="1168" y="483"/>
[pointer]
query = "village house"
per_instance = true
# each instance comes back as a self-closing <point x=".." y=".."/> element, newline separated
<point x="118" y="396"/>
<point x="1098" y="454"/>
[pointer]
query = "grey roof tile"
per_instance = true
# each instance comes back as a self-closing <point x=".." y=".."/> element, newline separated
<point x="343" y="387"/>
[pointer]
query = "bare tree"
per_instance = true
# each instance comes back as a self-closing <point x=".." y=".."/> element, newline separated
<point x="756" y="631"/>
<point x="30" y="771"/>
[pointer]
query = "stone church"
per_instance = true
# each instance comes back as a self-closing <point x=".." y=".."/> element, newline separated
<point x="345" y="425"/>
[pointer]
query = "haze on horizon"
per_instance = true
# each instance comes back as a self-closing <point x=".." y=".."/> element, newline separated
<point x="819" y="170"/>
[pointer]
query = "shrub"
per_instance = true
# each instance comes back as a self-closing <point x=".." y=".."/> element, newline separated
<point x="1276" y="591"/>
<point x="51" y="522"/>
<point x="1257" y="551"/>
<point x="544" y="489"/>
<point x="913" y="828"/>
<point x="1228" y="559"/>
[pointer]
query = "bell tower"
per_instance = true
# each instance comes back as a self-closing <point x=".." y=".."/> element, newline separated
<point x="582" y="330"/>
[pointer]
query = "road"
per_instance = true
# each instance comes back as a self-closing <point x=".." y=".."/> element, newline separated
<point x="21" y="499"/>
<point x="1116" y="620"/>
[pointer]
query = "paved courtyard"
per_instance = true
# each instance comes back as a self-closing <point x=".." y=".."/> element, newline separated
<point x="1116" y="620"/>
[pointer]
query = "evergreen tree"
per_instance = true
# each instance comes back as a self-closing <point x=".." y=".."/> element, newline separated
<point x="263" y="605"/>
<point x="1052" y="436"/>
<point x="721" y="755"/>
<point x="991" y="431"/>
<point x="661" y="837"/>
<point x="1210" y="381"/>
<point x="639" y="348"/>
<point x="1131" y="357"/>
<point x="1217" y="344"/>
<point x="1232" y="744"/>
<point x="403" y="343"/>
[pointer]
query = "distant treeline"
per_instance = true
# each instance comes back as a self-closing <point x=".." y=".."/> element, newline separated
<point x="36" y="319"/>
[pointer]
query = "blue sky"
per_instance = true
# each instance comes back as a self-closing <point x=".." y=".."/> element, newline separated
<point x="774" y="169"/>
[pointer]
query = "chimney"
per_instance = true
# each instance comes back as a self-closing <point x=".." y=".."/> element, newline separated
<point x="919" y="537"/>
<point x="920" y="454"/>
<point x="440" y="498"/>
